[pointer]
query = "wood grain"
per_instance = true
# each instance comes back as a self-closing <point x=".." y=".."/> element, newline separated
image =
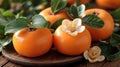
<point x="3" y="61"/>
<point x="97" y="64"/>
<point x="10" y="64"/>
<point x="112" y="64"/>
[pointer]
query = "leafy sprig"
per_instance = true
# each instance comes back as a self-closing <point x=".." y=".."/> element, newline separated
<point x="77" y="11"/>
<point x="5" y="18"/>
<point x="37" y="22"/>
<point x="110" y="48"/>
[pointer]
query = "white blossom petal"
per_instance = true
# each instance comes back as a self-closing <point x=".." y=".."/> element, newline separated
<point x="81" y="29"/>
<point x="85" y="54"/>
<point x="101" y="58"/>
<point x="78" y="21"/>
<point x="66" y="22"/>
<point x="74" y="33"/>
<point x="92" y="60"/>
<point x="83" y="15"/>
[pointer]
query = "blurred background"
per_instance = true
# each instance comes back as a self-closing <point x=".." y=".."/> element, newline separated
<point x="28" y="8"/>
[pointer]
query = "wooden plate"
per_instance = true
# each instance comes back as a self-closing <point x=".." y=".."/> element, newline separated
<point x="52" y="58"/>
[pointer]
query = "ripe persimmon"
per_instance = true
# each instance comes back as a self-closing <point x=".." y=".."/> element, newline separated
<point x="107" y="4"/>
<point x="49" y="16"/>
<point x="71" y="38"/>
<point x="106" y="30"/>
<point x="32" y="43"/>
<point x="82" y="1"/>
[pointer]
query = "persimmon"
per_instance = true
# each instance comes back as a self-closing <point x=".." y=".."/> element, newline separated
<point x="71" y="38"/>
<point x="82" y="1"/>
<point x="48" y="15"/>
<point x="32" y="43"/>
<point x="107" y="4"/>
<point x="106" y="30"/>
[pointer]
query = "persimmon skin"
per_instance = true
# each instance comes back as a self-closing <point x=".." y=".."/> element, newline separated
<point x="71" y="45"/>
<point x="82" y="1"/>
<point x="48" y="15"/>
<point x="108" y="4"/>
<point x="104" y="32"/>
<point x="32" y="43"/>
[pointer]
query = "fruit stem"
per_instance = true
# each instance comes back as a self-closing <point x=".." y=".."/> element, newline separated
<point x="32" y="29"/>
<point x="95" y="13"/>
<point x="51" y="13"/>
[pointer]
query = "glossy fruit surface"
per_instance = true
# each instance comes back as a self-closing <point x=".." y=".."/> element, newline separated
<point x="48" y="15"/>
<point x="71" y="45"/>
<point x="106" y="30"/>
<point x="108" y="4"/>
<point x="32" y="43"/>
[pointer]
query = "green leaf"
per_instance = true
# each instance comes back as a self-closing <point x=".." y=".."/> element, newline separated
<point x="113" y="57"/>
<point x="1" y="10"/>
<point x="115" y="39"/>
<point x="1" y="48"/>
<point x="8" y="15"/>
<point x="116" y="14"/>
<point x="76" y="11"/>
<point x="107" y="49"/>
<point x="57" y="23"/>
<point x="2" y="29"/>
<point x="16" y="25"/>
<point x="39" y="21"/>
<point x="93" y="21"/>
<point x="57" y="5"/>
<point x="4" y="42"/>
<point x="3" y="21"/>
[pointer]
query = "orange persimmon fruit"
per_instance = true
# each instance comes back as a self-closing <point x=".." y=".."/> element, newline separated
<point x="49" y="16"/>
<point x="71" y="45"/>
<point x="104" y="32"/>
<point x="32" y="43"/>
<point x="108" y="4"/>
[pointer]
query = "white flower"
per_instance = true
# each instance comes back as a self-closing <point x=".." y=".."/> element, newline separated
<point x="73" y="27"/>
<point x="94" y="54"/>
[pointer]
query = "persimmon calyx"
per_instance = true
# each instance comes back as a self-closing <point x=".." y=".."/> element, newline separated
<point x="94" y="54"/>
<point x="73" y="27"/>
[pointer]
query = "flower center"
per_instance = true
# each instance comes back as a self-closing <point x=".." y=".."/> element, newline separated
<point x="72" y="27"/>
<point x="93" y="53"/>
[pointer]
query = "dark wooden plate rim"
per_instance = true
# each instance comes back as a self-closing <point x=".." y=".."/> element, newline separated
<point x="15" y="59"/>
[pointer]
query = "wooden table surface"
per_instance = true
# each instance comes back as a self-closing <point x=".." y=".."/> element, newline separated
<point x="6" y="63"/>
